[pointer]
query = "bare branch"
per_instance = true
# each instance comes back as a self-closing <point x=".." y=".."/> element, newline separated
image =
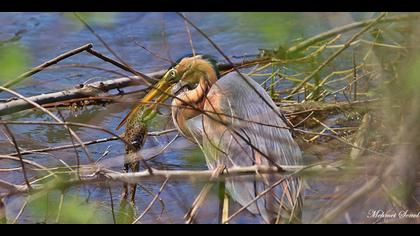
<point x="151" y="203"/>
<point x="24" y="171"/>
<point x="47" y="64"/>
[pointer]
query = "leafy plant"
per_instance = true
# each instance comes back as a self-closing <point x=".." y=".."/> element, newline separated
<point x="13" y="61"/>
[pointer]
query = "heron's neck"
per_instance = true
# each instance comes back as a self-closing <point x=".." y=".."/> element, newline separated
<point x="181" y="107"/>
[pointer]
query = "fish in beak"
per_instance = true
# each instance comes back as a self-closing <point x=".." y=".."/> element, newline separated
<point x="162" y="90"/>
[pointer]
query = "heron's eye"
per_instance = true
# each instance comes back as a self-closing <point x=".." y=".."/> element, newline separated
<point x="172" y="74"/>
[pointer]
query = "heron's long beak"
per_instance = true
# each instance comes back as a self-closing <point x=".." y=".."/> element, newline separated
<point x="161" y="90"/>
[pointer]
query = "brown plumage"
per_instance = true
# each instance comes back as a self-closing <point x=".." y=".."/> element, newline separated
<point x="241" y="126"/>
<point x="231" y="134"/>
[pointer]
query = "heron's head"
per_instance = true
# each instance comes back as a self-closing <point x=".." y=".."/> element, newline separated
<point x="186" y="73"/>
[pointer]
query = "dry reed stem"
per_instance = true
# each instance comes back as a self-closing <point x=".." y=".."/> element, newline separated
<point x="338" y="52"/>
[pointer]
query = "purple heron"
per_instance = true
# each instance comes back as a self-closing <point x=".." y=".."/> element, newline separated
<point x="234" y="123"/>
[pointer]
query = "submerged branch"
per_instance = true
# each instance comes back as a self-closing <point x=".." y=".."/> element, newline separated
<point x="82" y="91"/>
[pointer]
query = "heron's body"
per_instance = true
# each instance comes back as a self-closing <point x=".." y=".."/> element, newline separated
<point x="243" y="140"/>
<point x="233" y="120"/>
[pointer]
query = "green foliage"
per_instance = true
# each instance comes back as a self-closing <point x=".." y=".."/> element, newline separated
<point x="106" y="19"/>
<point x="126" y="213"/>
<point x="412" y="82"/>
<point x="13" y="61"/>
<point x="400" y="191"/>
<point x="74" y="210"/>
<point x="194" y="157"/>
<point x="272" y="26"/>
<point x="3" y="219"/>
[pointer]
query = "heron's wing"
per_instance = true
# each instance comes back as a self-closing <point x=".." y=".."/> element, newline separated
<point x="251" y="133"/>
<point x="195" y="126"/>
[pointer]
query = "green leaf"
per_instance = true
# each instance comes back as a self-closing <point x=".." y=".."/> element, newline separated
<point x="272" y="26"/>
<point x="106" y="19"/>
<point x="412" y="83"/>
<point x="13" y="62"/>
<point x="75" y="210"/>
<point x="3" y="219"/>
<point x="194" y="157"/>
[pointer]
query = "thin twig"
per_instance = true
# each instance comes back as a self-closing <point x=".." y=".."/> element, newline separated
<point x="53" y="116"/>
<point x="63" y="147"/>
<point x="87" y="143"/>
<point x="60" y="207"/>
<point x="155" y="54"/>
<point x="47" y="64"/>
<point x="66" y="124"/>
<point x="163" y="148"/>
<point x="198" y="202"/>
<point x="32" y="163"/>
<point x="3" y="219"/>
<point x="73" y="144"/>
<point x="24" y="171"/>
<point x="88" y="27"/>
<point x="343" y="29"/>
<point x="118" y="64"/>
<point x="345" y="204"/>
<point x="338" y="52"/>
<point x="151" y="203"/>
<point x="189" y="35"/>
<point x="144" y="77"/>
<point x="112" y="205"/>
<point x="267" y="190"/>
<point x="22" y="209"/>
<point x="7" y="185"/>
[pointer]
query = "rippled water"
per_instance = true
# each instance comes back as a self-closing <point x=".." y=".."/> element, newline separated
<point x="46" y="35"/>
